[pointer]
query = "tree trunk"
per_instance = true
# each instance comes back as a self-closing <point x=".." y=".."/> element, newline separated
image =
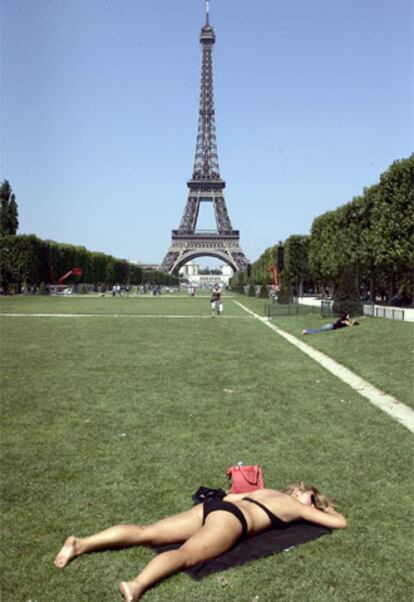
<point x="372" y="286"/>
<point x="391" y="287"/>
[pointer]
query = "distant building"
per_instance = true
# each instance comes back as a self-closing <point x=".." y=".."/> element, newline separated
<point x="145" y="266"/>
<point x="191" y="272"/>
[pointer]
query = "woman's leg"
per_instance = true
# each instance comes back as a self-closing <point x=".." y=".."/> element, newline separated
<point x="325" y="327"/>
<point x="169" y="530"/>
<point x="316" y="330"/>
<point x="221" y="531"/>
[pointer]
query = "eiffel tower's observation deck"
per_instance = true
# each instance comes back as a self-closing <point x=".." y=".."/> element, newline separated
<point x="206" y="184"/>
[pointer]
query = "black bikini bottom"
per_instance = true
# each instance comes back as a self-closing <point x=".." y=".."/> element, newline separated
<point x="215" y="504"/>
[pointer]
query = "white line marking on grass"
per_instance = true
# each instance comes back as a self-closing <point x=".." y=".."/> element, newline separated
<point x="161" y="316"/>
<point x="396" y="409"/>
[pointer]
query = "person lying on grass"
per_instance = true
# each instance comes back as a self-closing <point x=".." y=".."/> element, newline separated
<point x="342" y="322"/>
<point x="207" y="530"/>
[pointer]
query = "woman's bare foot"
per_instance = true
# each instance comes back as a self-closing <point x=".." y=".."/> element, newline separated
<point x="67" y="553"/>
<point x="130" y="590"/>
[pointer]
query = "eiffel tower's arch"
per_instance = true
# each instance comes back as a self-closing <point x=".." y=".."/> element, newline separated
<point x="192" y="254"/>
<point x="205" y="186"/>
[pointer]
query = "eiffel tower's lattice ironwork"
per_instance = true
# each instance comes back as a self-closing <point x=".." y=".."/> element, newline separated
<point x="206" y="185"/>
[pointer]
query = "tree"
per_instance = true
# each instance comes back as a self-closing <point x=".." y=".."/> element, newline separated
<point x="8" y="210"/>
<point x="329" y="248"/>
<point x="361" y="239"/>
<point x="297" y="261"/>
<point x="13" y="215"/>
<point x="238" y="281"/>
<point x="9" y="221"/>
<point x="251" y="291"/>
<point x="21" y="260"/>
<point x="393" y="224"/>
<point x="347" y="295"/>
<point x="261" y="267"/>
<point x="263" y="293"/>
<point x="285" y="294"/>
<point x="5" y="193"/>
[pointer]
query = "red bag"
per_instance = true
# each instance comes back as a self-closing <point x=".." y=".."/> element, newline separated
<point x="245" y="478"/>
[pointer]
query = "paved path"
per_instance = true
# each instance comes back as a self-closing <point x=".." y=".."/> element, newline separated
<point x="388" y="404"/>
<point x="408" y="311"/>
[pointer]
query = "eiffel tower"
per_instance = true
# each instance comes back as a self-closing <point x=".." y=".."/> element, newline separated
<point x="206" y="185"/>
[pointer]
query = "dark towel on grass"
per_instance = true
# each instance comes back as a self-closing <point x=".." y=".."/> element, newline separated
<point x="259" y="546"/>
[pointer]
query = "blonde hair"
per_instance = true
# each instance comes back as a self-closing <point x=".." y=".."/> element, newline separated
<point x="321" y="501"/>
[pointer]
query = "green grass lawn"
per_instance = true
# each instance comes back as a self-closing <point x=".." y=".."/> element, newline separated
<point x="119" y="418"/>
<point x="380" y="350"/>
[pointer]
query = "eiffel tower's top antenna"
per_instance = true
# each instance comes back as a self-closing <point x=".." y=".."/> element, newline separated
<point x="206" y="160"/>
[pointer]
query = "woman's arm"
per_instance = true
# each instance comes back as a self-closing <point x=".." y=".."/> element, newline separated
<point x="328" y="518"/>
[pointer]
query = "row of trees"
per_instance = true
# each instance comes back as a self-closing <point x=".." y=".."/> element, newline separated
<point x="372" y="236"/>
<point x="374" y="233"/>
<point x="291" y="260"/>
<point x="26" y="260"/>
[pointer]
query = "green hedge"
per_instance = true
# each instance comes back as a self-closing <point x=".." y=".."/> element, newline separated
<point x="27" y="260"/>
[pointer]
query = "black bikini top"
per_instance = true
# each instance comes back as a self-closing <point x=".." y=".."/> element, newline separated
<point x="276" y="522"/>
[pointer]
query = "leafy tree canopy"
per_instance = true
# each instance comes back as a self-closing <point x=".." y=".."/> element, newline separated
<point x="9" y="220"/>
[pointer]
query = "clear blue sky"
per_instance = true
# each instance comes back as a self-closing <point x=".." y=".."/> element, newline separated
<point x="99" y="110"/>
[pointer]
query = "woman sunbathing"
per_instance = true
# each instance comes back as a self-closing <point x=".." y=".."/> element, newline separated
<point x="342" y="322"/>
<point x="207" y="530"/>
